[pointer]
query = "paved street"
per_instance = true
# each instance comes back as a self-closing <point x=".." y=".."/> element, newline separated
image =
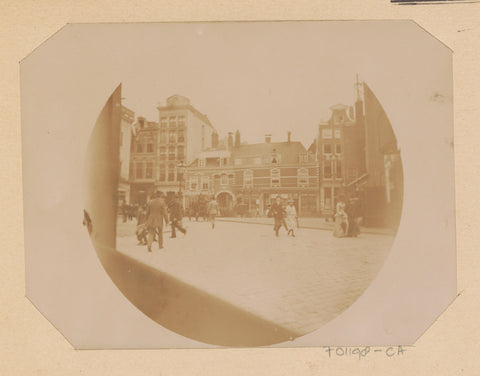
<point x="298" y="283"/>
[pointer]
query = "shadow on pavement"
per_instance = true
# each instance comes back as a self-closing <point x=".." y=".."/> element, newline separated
<point x="186" y="310"/>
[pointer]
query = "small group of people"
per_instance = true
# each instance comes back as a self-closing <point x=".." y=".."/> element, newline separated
<point x="346" y="218"/>
<point x="150" y="219"/>
<point x="128" y="211"/>
<point x="284" y="216"/>
<point x="198" y="208"/>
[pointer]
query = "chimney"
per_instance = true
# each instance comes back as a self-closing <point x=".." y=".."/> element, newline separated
<point x="141" y="121"/>
<point x="230" y="140"/>
<point x="289" y="136"/>
<point x="237" y="139"/>
<point x="214" y="140"/>
<point x="268" y="138"/>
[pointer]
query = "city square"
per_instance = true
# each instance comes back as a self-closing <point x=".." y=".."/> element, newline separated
<point x="298" y="283"/>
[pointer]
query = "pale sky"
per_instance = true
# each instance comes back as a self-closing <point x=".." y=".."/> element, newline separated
<point x="264" y="77"/>
<point x="258" y="78"/>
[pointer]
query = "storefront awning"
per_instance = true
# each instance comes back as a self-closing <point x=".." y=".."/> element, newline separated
<point x="357" y="180"/>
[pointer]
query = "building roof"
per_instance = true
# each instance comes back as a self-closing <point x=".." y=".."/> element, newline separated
<point x="289" y="151"/>
<point x="214" y="154"/>
<point x="177" y="102"/>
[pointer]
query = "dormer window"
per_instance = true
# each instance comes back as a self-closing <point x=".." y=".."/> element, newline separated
<point x="275" y="157"/>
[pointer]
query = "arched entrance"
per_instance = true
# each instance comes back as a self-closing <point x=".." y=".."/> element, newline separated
<point x="225" y="200"/>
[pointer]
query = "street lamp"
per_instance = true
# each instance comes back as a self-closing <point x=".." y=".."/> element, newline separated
<point x="181" y="169"/>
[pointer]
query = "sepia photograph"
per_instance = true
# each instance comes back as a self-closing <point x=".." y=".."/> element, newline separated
<point x="254" y="220"/>
<point x="243" y="185"/>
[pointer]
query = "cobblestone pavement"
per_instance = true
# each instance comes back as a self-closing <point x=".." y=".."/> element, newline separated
<point x="299" y="283"/>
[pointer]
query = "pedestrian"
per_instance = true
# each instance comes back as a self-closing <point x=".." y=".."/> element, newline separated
<point x="341" y="219"/>
<point x="212" y="211"/>
<point x="156" y="214"/>
<point x="176" y="214"/>
<point x="278" y="213"/>
<point x="291" y="218"/>
<point x="141" y="226"/>
<point x="352" y="210"/>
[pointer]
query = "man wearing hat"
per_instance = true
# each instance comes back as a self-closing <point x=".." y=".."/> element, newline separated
<point x="278" y="213"/>
<point x="156" y="213"/>
<point x="176" y="215"/>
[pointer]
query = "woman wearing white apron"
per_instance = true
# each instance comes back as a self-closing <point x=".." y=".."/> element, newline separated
<point x="341" y="220"/>
<point x="291" y="218"/>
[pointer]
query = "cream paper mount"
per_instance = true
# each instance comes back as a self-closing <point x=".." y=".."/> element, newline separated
<point x="65" y="84"/>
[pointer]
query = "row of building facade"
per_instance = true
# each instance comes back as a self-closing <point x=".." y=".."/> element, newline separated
<point x="354" y="153"/>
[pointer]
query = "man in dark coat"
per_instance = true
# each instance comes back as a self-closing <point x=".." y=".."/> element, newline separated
<point x="156" y="213"/>
<point x="278" y="213"/>
<point x="142" y="230"/>
<point x="176" y="214"/>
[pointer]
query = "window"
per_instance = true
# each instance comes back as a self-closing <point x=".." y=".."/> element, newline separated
<point x="327" y="197"/>
<point x="139" y="170"/>
<point x="338" y="165"/>
<point x="172" y="121"/>
<point x="139" y="147"/>
<point x="327" y="148"/>
<point x="149" y="170"/>
<point x="181" y="136"/>
<point x="224" y="179"/>
<point x="171" y="153"/>
<point x="171" y="172"/>
<point x="201" y="162"/>
<point x="205" y="182"/>
<point x="303" y="157"/>
<point x="180" y="153"/>
<point x="181" y="121"/>
<point x="338" y="134"/>
<point x="171" y="136"/>
<point x="248" y="178"/>
<point x="163" y="136"/>
<point x="163" y="122"/>
<point x="149" y="148"/>
<point x="231" y="179"/>
<point x="163" y="153"/>
<point x="161" y="172"/>
<point x="339" y="118"/>
<point x="275" y="177"/>
<point x="257" y="160"/>
<point x="193" y="183"/>
<point x="302" y="176"/>
<point x="326" y="133"/>
<point x="327" y="169"/>
<point x="338" y="148"/>
<point x="238" y="161"/>
<point x="352" y="173"/>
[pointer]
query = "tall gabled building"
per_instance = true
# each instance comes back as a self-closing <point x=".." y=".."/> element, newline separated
<point x="161" y="150"/>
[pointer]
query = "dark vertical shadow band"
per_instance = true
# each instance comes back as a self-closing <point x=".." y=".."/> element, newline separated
<point x="173" y="304"/>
